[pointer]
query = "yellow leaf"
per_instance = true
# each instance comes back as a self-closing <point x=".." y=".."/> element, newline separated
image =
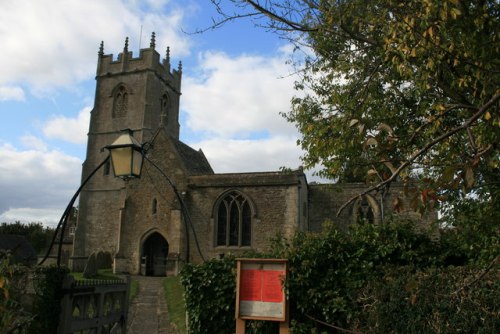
<point x="385" y="127"/>
<point x="487" y="116"/>
<point x="371" y="142"/>
<point x="469" y="177"/>
<point x="455" y="12"/>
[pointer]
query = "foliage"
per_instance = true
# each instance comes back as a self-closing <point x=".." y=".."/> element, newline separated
<point x="433" y="300"/>
<point x="471" y="230"/>
<point x="47" y="305"/>
<point x="134" y="289"/>
<point x="13" y="277"/>
<point x="360" y="279"/>
<point x="38" y="235"/>
<point x="394" y="89"/>
<point x="209" y="293"/>
<point x="328" y="270"/>
<point x="175" y="303"/>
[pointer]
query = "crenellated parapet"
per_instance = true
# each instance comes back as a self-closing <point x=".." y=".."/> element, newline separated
<point x="148" y="60"/>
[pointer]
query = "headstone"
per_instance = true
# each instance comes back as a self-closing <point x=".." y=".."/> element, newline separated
<point x="90" y="270"/>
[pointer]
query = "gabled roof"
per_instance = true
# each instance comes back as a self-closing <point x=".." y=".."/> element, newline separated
<point x="195" y="161"/>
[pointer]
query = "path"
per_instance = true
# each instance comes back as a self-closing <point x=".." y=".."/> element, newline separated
<point x="148" y="311"/>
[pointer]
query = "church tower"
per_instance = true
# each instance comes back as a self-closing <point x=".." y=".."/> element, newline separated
<point x="141" y="94"/>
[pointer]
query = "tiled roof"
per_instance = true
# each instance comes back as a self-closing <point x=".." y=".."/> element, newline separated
<point x="195" y="161"/>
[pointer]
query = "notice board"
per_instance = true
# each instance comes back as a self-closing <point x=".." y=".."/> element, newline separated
<point x="260" y="294"/>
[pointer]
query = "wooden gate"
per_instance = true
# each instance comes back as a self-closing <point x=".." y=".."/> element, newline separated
<point x="94" y="306"/>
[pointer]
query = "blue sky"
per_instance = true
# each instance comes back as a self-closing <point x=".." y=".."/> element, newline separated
<point x="235" y="84"/>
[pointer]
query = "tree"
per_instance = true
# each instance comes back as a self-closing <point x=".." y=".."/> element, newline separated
<point x="38" y="235"/>
<point x="394" y="90"/>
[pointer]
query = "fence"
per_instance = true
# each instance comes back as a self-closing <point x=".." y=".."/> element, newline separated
<point x="94" y="306"/>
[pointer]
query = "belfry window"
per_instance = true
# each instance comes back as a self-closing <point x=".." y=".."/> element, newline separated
<point x="164" y="104"/>
<point x="120" y="104"/>
<point x="234" y="221"/>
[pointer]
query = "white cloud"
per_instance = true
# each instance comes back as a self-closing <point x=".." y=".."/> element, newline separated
<point x="232" y="155"/>
<point x="73" y="130"/>
<point x="41" y="179"/>
<point x="11" y="93"/>
<point x="34" y="143"/>
<point x="237" y="97"/>
<point x="49" y="217"/>
<point x="47" y="44"/>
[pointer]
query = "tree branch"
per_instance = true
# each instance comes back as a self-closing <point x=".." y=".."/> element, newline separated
<point x="424" y="149"/>
<point x="275" y="17"/>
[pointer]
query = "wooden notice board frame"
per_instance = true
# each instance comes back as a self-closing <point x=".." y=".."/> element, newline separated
<point x="259" y="292"/>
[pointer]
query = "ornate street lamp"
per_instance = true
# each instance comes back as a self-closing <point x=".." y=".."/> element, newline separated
<point x="127" y="156"/>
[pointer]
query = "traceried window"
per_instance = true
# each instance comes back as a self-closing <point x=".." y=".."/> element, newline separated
<point x="234" y="221"/>
<point x="364" y="212"/>
<point x="120" y="105"/>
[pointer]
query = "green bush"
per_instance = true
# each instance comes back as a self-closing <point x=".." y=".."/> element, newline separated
<point x="47" y="305"/>
<point x="434" y="300"/>
<point x="14" y="318"/>
<point x="210" y="292"/>
<point x="373" y="279"/>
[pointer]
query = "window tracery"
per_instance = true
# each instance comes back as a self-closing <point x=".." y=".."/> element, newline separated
<point x="120" y="105"/>
<point x="234" y="221"/>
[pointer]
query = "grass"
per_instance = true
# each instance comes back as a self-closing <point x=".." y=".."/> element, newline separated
<point x="175" y="302"/>
<point x="134" y="287"/>
<point x="103" y="274"/>
<point x="107" y="274"/>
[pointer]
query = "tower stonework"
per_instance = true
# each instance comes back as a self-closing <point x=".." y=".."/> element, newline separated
<point x="141" y="94"/>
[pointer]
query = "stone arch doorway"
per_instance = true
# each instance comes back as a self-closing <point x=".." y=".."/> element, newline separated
<point x="154" y="255"/>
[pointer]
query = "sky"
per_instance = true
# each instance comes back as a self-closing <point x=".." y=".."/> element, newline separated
<point x="235" y="83"/>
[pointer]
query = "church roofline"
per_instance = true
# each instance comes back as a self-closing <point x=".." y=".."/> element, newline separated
<point x="273" y="178"/>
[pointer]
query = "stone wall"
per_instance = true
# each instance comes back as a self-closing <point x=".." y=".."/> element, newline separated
<point x="274" y="199"/>
<point x="326" y="199"/>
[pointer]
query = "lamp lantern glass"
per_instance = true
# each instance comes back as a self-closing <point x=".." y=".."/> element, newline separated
<point x="126" y="156"/>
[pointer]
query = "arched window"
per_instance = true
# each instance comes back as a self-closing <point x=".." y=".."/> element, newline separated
<point x="234" y="221"/>
<point x="366" y="210"/>
<point x="120" y="104"/>
<point x="164" y="105"/>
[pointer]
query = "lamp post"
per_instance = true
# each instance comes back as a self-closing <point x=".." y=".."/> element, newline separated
<point x="127" y="157"/>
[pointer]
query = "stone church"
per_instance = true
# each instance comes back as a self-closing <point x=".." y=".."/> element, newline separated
<point x="184" y="211"/>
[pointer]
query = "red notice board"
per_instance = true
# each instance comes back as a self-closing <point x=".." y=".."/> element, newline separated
<point x="260" y="294"/>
